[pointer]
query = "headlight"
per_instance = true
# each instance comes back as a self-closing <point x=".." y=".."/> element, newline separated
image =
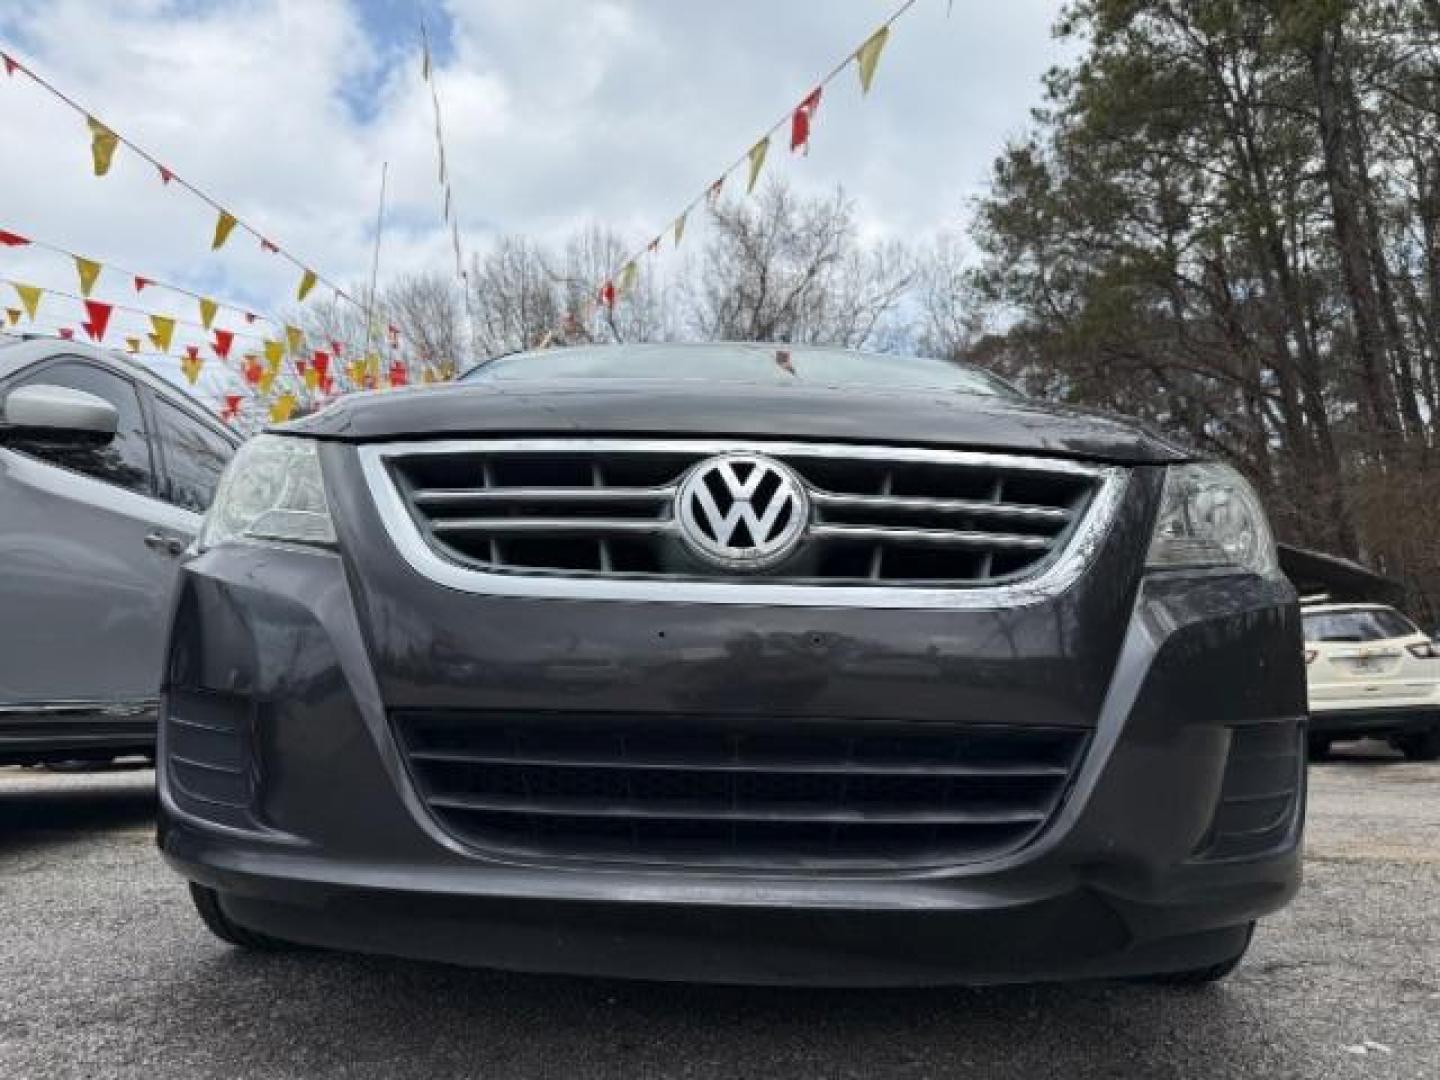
<point x="1210" y="516"/>
<point x="271" y="491"/>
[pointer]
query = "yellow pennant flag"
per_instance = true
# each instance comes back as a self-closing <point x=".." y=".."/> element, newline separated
<point x="13" y="314"/>
<point x="29" y="297"/>
<point x="868" y="55"/>
<point x="89" y="270"/>
<point x="224" y="225"/>
<point x="757" y="162"/>
<point x="283" y="407"/>
<point x="312" y="377"/>
<point x="295" y="338"/>
<point x="132" y="345"/>
<point x="191" y="366"/>
<point x="274" y="353"/>
<point x="102" y="145"/>
<point x="679" y="229"/>
<point x="307" y="282"/>
<point x="372" y="366"/>
<point x="162" y="331"/>
<point x="208" y="308"/>
<point x="628" y="275"/>
<point x="267" y="380"/>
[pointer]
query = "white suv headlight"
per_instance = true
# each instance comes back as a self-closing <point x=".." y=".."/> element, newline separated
<point x="1211" y="516"/>
<point x="271" y="491"/>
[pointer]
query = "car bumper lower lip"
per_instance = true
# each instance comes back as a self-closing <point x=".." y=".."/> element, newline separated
<point x="742" y="932"/>
<point x="1377" y="720"/>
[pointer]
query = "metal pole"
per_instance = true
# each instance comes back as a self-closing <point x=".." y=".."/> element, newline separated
<point x="375" y="261"/>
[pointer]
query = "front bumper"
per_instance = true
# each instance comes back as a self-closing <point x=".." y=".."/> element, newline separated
<point x="307" y="819"/>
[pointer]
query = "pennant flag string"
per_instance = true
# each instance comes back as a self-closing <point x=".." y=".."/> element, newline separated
<point x="448" y="214"/>
<point x="800" y="120"/>
<point x="92" y="268"/>
<point x="103" y="143"/>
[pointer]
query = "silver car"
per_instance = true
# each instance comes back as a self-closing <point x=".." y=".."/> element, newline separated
<point x="105" y="472"/>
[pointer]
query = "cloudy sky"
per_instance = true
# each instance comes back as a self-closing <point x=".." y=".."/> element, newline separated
<point x="558" y="113"/>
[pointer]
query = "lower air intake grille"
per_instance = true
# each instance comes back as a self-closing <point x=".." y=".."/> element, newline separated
<point x="1260" y="793"/>
<point x="209" y="756"/>
<point x="702" y="792"/>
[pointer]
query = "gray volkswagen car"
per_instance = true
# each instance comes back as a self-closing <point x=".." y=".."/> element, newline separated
<point x="105" y="472"/>
<point x="735" y="663"/>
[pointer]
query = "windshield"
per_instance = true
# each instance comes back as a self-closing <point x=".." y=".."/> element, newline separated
<point x="1372" y="625"/>
<point x="782" y="365"/>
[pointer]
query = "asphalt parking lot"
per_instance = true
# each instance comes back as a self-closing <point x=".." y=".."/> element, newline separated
<point x="105" y="972"/>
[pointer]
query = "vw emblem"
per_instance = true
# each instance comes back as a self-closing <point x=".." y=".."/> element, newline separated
<point x="742" y="511"/>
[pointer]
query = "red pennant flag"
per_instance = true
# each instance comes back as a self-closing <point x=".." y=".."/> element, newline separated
<point x="223" y="340"/>
<point x="800" y="121"/>
<point x="300" y="367"/>
<point x="165" y="174"/>
<point x="10" y="239"/>
<point x="99" y="319"/>
<point x="327" y="384"/>
<point x="321" y="364"/>
<point x="607" y="294"/>
<point x="253" y="371"/>
<point x="10" y="65"/>
<point x="232" y="407"/>
<point x="266" y="245"/>
<point x="192" y="351"/>
<point x="66" y="333"/>
<point x="398" y="375"/>
<point x="141" y="282"/>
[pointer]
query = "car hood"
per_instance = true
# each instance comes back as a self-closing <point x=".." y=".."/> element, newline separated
<point x="704" y="408"/>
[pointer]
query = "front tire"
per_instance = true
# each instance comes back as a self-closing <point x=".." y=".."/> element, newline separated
<point x="1198" y="977"/>
<point x="207" y="904"/>
<point x="1420" y="746"/>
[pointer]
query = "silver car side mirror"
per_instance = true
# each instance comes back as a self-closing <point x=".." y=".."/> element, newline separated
<point x="57" y="414"/>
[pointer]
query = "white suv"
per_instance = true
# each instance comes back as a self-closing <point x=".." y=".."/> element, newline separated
<point x="1371" y="673"/>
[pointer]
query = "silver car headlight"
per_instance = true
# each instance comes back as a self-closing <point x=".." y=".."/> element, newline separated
<point x="1211" y="516"/>
<point x="272" y="491"/>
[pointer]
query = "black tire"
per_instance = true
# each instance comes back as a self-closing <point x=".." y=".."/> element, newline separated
<point x="1198" y="977"/>
<point x="207" y="903"/>
<point x="1320" y="747"/>
<point x="1420" y="745"/>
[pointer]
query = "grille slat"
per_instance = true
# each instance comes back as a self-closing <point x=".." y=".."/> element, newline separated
<point x="969" y="507"/>
<point x="704" y="791"/>
<point x="932" y="537"/>
<point x="552" y="526"/>
<point x="678" y="810"/>
<point x="679" y="764"/>
<point x="877" y="515"/>
<point x="504" y="497"/>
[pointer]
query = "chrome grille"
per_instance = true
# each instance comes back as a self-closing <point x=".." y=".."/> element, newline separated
<point x="701" y="791"/>
<point x="605" y="508"/>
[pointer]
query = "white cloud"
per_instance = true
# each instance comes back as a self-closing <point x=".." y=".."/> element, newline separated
<point x="557" y="113"/>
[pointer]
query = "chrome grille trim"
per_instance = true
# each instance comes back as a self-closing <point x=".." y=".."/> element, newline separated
<point x="1056" y="575"/>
